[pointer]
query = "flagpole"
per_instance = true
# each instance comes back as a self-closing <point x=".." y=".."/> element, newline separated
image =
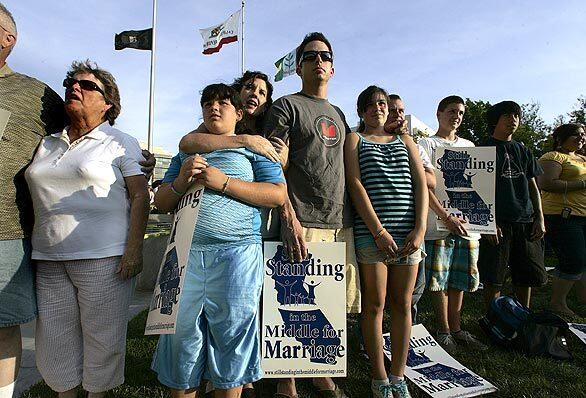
<point x="242" y="41"/>
<point x="152" y="85"/>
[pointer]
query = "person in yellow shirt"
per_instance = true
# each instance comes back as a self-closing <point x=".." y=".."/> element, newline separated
<point x="563" y="187"/>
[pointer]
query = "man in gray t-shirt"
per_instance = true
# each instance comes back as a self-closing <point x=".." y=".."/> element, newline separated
<point x="315" y="130"/>
<point x="318" y="209"/>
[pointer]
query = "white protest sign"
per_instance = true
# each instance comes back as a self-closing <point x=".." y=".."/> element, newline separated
<point x="579" y="329"/>
<point x="434" y="371"/>
<point x="304" y="312"/>
<point x="166" y="296"/>
<point x="465" y="186"/>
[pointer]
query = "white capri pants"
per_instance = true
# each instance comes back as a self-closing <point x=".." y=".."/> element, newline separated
<point x="81" y="327"/>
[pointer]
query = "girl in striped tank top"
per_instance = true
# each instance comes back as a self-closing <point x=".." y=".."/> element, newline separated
<point x="385" y="179"/>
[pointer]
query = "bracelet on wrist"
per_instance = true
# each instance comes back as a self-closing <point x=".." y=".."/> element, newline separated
<point x="175" y="191"/>
<point x="225" y="186"/>
<point x="379" y="234"/>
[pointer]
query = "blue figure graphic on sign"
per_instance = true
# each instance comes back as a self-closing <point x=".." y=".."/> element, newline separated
<point x="468" y="179"/>
<point x="447" y="373"/>
<point x="417" y="358"/>
<point x="287" y="285"/>
<point x="288" y="277"/>
<point x="311" y="286"/>
<point x="414" y="358"/>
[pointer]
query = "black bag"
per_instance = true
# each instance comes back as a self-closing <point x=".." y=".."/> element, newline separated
<point x="545" y="333"/>
<point x="511" y="325"/>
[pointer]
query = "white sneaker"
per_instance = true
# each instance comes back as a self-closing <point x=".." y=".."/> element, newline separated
<point x="447" y="342"/>
<point x="399" y="390"/>
<point x="468" y="339"/>
<point x="381" y="391"/>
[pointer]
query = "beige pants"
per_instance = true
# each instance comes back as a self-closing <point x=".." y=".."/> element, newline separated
<point x="81" y="327"/>
<point x="352" y="276"/>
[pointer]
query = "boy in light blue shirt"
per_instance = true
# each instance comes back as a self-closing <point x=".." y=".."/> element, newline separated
<point x="217" y="336"/>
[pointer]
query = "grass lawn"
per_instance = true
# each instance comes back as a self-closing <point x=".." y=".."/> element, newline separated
<point x="514" y="374"/>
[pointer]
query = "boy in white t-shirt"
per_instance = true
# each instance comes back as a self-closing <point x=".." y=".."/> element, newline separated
<point x="451" y="262"/>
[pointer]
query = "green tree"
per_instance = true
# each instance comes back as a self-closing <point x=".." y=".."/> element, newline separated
<point x="532" y="132"/>
<point x="559" y="120"/>
<point x="417" y="134"/>
<point x="474" y="126"/>
<point x="578" y="114"/>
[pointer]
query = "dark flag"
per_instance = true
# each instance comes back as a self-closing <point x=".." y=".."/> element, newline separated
<point x="139" y="39"/>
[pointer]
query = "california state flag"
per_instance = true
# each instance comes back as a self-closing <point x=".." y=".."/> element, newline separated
<point x="216" y="36"/>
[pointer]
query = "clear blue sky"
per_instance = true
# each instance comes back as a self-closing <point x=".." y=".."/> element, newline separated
<point x="423" y="50"/>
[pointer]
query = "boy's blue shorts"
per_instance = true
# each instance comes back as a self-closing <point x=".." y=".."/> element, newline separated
<point x="217" y="334"/>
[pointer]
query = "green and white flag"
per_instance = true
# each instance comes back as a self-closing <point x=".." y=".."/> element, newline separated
<point x="285" y="66"/>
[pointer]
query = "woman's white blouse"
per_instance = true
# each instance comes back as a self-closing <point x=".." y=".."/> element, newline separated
<point x="79" y="195"/>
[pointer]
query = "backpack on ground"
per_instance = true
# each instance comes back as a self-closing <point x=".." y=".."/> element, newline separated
<point x="503" y="321"/>
<point x="510" y="324"/>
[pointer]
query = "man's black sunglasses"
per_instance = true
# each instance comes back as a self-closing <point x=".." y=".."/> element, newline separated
<point x="325" y="56"/>
<point x="87" y="85"/>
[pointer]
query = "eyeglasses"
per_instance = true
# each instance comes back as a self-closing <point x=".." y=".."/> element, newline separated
<point x="86" y="85"/>
<point x="325" y="56"/>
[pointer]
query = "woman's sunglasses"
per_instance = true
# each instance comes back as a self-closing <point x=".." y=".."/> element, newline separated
<point x="86" y="85"/>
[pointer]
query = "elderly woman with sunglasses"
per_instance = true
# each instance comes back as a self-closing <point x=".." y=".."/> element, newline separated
<point x="91" y="207"/>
